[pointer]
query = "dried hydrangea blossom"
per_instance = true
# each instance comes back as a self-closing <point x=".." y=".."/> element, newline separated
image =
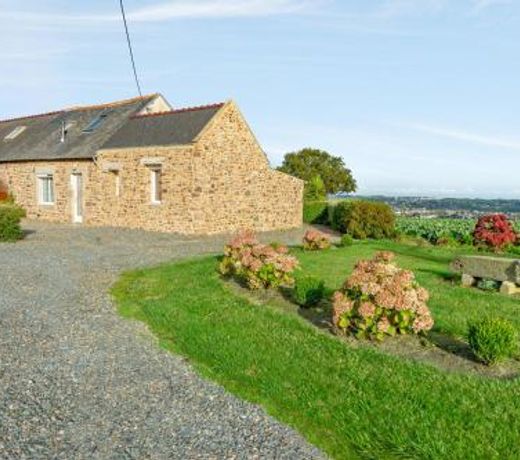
<point x="382" y="299"/>
<point x="259" y="265"/>
<point x="314" y="240"/>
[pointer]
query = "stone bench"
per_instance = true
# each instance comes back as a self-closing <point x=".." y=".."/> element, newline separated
<point x="473" y="268"/>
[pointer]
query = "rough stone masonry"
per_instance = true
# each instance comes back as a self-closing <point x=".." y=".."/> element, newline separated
<point x="214" y="176"/>
<point x="506" y="271"/>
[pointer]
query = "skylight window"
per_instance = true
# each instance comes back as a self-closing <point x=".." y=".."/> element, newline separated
<point x="15" y="133"/>
<point x="96" y="122"/>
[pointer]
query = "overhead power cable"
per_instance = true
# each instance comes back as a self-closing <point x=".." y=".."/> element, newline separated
<point x="129" y="41"/>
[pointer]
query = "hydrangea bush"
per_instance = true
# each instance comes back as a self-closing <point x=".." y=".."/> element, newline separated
<point x="258" y="265"/>
<point x="314" y="240"/>
<point x="380" y="299"/>
<point x="495" y="232"/>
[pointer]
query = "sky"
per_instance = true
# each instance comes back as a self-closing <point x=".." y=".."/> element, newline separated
<point x="420" y="97"/>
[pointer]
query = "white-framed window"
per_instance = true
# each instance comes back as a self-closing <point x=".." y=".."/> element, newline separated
<point x="155" y="184"/>
<point x="15" y="133"/>
<point x="45" y="188"/>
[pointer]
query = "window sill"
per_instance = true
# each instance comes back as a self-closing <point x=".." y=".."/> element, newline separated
<point x="46" y="205"/>
<point x="155" y="203"/>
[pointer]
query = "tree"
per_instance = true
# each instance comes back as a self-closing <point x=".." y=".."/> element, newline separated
<point x="309" y="163"/>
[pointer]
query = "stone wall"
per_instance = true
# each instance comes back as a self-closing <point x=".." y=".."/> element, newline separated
<point x="21" y="181"/>
<point x="237" y="188"/>
<point x="221" y="183"/>
<point x="133" y="207"/>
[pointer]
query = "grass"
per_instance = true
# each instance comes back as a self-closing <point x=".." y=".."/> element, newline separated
<point x="352" y="402"/>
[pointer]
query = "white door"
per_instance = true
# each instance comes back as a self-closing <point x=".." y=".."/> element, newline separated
<point x="77" y="197"/>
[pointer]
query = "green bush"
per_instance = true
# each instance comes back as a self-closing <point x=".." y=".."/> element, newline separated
<point x="308" y="291"/>
<point x="492" y="339"/>
<point x="346" y="241"/>
<point x="315" y="189"/>
<point x="10" y="217"/>
<point x="364" y="219"/>
<point x="488" y="285"/>
<point x="316" y="212"/>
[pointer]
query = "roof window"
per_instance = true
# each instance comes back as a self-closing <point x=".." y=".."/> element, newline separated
<point x="96" y="122"/>
<point x="15" y="133"/>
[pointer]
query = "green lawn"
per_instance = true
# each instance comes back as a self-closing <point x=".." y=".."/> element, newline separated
<point x="352" y="402"/>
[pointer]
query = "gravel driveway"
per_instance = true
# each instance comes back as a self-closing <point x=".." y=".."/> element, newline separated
<point x="78" y="381"/>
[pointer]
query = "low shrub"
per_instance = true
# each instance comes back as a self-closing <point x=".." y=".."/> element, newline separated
<point x="314" y="240"/>
<point x="10" y="217"/>
<point x="364" y="219"/>
<point x="258" y="265"/>
<point x="380" y="299"/>
<point x="514" y="250"/>
<point x="492" y="340"/>
<point x="346" y="241"/>
<point x="308" y="291"/>
<point x="488" y="285"/>
<point x="316" y="212"/>
<point x="494" y="232"/>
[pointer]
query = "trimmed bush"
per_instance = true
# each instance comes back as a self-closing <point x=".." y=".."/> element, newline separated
<point x="308" y="291"/>
<point x="492" y="340"/>
<point x="380" y="299"/>
<point x="314" y="240"/>
<point x="315" y="212"/>
<point x="10" y="217"/>
<point x="364" y="219"/>
<point x="346" y="241"/>
<point x="494" y="232"/>
<point x="258" y="265"/>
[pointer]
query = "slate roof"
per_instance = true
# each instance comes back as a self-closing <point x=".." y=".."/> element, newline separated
<point x="41" y="138"/>
<point x="122" y="127"/>
<point x="177" y="127"/>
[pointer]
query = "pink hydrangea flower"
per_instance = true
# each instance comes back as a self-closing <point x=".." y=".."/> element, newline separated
<point x="377" y="288"/>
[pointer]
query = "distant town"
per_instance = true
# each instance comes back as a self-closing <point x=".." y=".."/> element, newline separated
<point x="453" y="208"/>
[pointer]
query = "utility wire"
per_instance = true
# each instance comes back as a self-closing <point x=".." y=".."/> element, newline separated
<point x="130" y="48"/>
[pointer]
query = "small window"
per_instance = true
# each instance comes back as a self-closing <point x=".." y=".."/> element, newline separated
<point x="46" y="189"/>
<point x="117" y="183"/>
<point x="96" y="122"/>
<point x="155" y="178"/>
<point x="15" y="133"/>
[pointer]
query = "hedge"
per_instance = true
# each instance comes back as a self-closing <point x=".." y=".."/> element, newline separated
<point x="316" y="212"/>
<point x="364" y="219"/>
<point x="10" y="217"/>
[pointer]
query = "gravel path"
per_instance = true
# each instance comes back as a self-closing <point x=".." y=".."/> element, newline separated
<point x="79" y="382"/>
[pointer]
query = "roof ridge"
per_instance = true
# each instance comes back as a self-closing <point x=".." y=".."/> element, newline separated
<point x="111" y="104"/>
<point x="181" y="110"/>
<point x="30" y="117"/>
<point x="81" y="107"/>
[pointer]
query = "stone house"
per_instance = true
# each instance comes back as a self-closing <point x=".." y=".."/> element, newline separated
<point x="139" y="163"/>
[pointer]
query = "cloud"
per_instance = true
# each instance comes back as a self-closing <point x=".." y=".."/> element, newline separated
<point x="173" y="9"/>
<point x="395" y="8"/>
<point x="480" y="5"/>
<point x="465" y="136"/>
<point x="219" y="8"/>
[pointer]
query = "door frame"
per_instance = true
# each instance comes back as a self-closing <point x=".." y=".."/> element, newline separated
<point x="77" y="186"/>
